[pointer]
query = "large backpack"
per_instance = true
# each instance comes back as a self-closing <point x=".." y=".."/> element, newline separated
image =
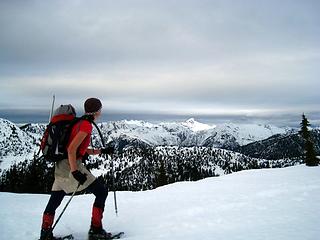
<point x="56" y="136"/>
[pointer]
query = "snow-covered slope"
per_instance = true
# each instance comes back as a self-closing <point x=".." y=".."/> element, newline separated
<point x="229" y="134"/>
<point x="247" y="133"/>
<point x="149" y="133"/>
<point x="15" y="144"/>
<point x="282" y="204"/>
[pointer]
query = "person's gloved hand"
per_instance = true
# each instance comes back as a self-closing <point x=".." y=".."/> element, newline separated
<point x="108" y="150"/>
<point x="79" y="176"/>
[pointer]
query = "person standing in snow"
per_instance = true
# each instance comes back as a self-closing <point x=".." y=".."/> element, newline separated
<point x="71" y="172"/>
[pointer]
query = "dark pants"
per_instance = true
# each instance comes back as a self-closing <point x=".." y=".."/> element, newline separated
<point x="98" y="188"/>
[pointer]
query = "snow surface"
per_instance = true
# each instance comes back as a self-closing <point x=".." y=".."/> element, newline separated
<point x="282" y="204"/>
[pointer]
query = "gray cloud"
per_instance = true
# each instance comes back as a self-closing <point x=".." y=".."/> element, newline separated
<point x="82" y="32"/>
<point x="146" y="56"/>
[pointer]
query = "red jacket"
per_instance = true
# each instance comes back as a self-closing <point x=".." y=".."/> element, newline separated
<point x="84" y="126"/>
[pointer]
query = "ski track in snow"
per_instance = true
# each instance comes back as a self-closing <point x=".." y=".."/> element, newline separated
<point x="281" y="204"/>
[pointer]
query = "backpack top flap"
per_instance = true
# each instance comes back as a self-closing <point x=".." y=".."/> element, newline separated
<point x="63" y="112"/>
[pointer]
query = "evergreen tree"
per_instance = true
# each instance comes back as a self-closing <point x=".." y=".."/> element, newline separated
<point x="310" y="155"/>
<point x="162" y="176"/>
<point x="304" y="131"/>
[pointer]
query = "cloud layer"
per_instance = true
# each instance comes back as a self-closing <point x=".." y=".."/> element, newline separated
<point x="250" y="58"/>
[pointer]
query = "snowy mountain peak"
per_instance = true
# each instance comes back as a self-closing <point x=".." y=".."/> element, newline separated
<point x="191" y="120"/>
<point x="196" y="126"/>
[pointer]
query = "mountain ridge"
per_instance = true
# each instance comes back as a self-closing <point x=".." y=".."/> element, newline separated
<point x="148" y="155"/>
<point x="17" y="144"/>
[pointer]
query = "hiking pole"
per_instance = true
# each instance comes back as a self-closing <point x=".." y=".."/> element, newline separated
<point x="64" y="209"/>
<point x="112" y="171"/>
<point x="114" y="190"/>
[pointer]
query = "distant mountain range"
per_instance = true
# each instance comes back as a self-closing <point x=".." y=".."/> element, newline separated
<point x="148" y="152"/>
<point x="280" y="146"/>
<point x="16" y="142"/>
<point x="190" y="133"/>
<point x="254" y="140"/>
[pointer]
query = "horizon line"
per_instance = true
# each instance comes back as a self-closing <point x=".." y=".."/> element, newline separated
<point x="284" y="120"/>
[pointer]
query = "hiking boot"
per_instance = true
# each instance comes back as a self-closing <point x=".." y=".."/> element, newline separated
<point x="98" y="234"/>
<point x="46" y="234"/>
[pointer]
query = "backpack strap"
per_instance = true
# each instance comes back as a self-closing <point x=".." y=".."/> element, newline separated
<point x="90" y="118"/>
<point x="100" y="134"/>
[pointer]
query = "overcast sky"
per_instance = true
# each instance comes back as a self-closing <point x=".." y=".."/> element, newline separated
<point x="239" y="59"/>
